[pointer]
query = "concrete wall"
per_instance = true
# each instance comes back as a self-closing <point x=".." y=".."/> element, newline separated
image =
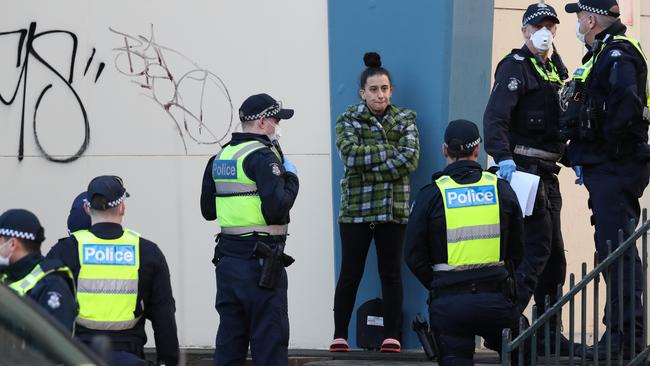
<point x="576" y="229"/>
<point x="278" y="47"/>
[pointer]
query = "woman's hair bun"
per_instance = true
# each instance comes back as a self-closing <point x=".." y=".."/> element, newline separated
<point x="372" y="59"/>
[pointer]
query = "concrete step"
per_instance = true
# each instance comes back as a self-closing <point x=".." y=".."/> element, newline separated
<point x="307" y="357"/>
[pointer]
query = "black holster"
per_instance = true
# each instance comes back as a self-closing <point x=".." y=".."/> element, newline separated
<point x="536" y="166"/>
<point x="426" y="337"/>
<point x="217" y="253"/>
<point x="273" y="260"/>
<point x="510" y="289"/>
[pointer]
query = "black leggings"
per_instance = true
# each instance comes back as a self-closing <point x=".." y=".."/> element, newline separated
<point x="355" y="242"/>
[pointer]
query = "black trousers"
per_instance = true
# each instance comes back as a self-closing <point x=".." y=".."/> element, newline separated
<point x="457" y="319"/>
<point x="543" y="267"/>
<point x="615" y="188"/>
<point x="355" y="242"/>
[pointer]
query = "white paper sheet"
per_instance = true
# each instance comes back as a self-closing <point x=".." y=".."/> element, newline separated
<point x="525" y="186"/>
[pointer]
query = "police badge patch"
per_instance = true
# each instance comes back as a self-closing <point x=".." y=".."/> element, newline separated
<point x="54" y="301"/>
<point x="513" y="84"/>
<point x="616" y="53"/>
<point x="275" y="169"/>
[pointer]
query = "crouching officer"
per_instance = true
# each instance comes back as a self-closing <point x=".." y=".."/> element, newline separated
<point x="250" y="187"/>
<point x="122" y="280"/>
<point x="464" y="236"/>
<point x="605" y="119"/>
<point x="22" y="267"/>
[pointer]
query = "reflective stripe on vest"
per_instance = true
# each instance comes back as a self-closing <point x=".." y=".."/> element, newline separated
<point x="24" y="285"/>
<point x="582" y="73"/>
<point x="238" y="204"/>
<point x="107" y="286"/>
<point x="472" y="218"/>
<point x="551" y="76"/>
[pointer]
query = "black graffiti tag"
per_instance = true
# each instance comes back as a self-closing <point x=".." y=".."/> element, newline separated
<point x="25" y="52"/>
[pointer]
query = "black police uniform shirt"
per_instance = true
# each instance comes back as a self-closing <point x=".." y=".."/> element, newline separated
<point x="523" y="109"/>
<point x="154" y="291"/>
<point x="54" y="292"/>
<point x="426" y="232"/>
<point x="277" y="188"/>
<point x="617" y="82"/>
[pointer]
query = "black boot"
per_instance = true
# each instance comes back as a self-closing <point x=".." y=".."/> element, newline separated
<point x="565" y="346"/>
<point x="618" y="344"/>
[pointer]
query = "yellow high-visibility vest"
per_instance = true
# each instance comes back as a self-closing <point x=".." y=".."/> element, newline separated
<point x="583" y="71"/>
<point x="107" y="286"/>
<point x="238" y="204"/>
<point x="25" y="284"/>
<point x="473" y="225"/>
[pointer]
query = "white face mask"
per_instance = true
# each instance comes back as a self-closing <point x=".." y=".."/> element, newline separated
<point x="542" y="39"/>
<point x="4" y="260"/>
<point x="581" y="36"/>
<point x="277" y="133"/>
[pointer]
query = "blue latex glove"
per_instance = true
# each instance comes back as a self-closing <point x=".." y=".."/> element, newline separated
<point x="289" y="166"/>
<point x="506" y="168"/>
<point x="578" y="170"/>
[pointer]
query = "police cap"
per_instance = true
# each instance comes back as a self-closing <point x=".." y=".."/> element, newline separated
<point x="21" y="224"/>
<point x="602" y="7"/>
<point x="262" y="105"/>
<point x="462" y="135"/>
<point x="535" y="13"/>
<point x="106" y="191"/>
<point x="78" y="219"/>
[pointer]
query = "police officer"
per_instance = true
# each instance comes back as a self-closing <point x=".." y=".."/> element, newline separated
<point x="250" y="187"/>
<point x="609" y="133"/>
<point x="122" y="280"/>
<point x="24" y="270"/>
<point x="78" y="219"/>
<point x="464" y="232"/>
<point x="521" y="126"/>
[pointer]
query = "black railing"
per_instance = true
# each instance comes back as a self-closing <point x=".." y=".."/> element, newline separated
<point x="524" y="346"/>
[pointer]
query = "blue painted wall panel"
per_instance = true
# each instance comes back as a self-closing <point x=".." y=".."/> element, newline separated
<point x="414" y="38"/>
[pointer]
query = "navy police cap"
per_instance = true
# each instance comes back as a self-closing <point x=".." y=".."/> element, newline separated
<point x="535" y="13"/>
<point x="262" y="105"/>
<point x="602" y="7"/>
<point x="106" y="191"/>
<point x="462" y="135"/>
<point x="78" y="219"/>
<point x="22" y="224"/>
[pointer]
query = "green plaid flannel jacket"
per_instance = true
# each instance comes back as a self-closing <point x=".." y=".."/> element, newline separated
<point x="378" y="157"/>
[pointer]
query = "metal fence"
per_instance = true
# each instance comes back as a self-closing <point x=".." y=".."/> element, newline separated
<point x="523" y="348"/>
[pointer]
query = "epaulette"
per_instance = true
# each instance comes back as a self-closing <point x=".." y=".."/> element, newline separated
<point x="436" y="175"/>
<point x="515" y="54"/>
<point x="133" y="232"/>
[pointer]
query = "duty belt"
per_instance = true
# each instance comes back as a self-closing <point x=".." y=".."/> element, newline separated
<point x="444" y="267"/>
<point x="270" y="230"/>
<point x="537" y="153"/>
<point x="467" y="288"/>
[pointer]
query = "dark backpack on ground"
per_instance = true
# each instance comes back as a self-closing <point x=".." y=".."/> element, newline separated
<point x="370" y="324"/>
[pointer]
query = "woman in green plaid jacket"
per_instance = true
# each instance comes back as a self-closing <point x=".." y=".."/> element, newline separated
<point x="378" y="143"/>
